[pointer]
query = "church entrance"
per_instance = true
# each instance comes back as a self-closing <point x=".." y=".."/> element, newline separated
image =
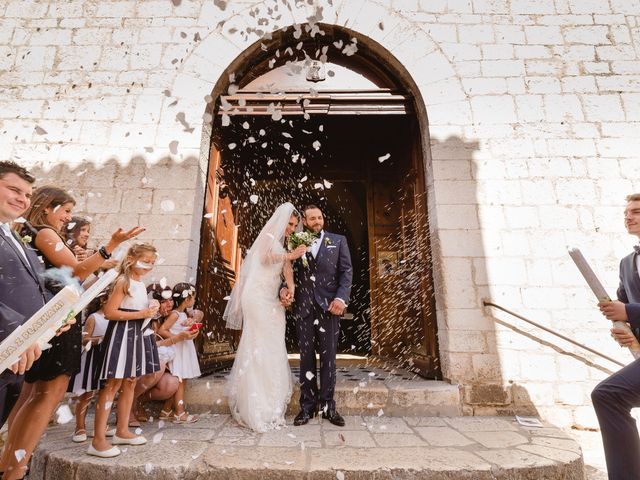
<point x="356" y="154"/>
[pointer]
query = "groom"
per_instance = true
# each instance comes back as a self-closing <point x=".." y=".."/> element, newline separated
<point x="323" y="287"/>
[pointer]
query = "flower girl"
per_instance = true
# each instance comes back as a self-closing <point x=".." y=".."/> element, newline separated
<point x="130" y="349"/>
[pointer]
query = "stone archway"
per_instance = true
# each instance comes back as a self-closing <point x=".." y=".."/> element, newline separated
<point x="406" y="49"/>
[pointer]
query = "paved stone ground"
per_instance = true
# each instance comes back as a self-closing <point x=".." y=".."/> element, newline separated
<point x="368" y="447"/>
<point x="591" y="445"/>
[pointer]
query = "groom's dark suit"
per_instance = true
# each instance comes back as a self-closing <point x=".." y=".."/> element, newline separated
<point x="614" y="397"/>
<point x="326" y="277"/>
<point x="22" y="293"/>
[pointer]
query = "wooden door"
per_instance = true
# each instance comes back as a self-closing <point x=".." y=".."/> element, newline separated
<point x="403" y="323"/>
<point x="219" y="262"/>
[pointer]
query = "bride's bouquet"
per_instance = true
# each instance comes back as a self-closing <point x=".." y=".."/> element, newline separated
<point x="305" y="238"/>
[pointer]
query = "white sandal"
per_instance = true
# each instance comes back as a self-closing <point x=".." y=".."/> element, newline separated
<point x="79" y="437"/>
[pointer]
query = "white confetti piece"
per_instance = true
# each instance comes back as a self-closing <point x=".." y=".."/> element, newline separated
<point x="158" y="437"/>
<point x="309" y="375"/>
<point x="194" y="456"/>
<point x="107" y="405"/>
<point x="380" y="412"/>
<point x="253" y="199"/>
<point x="227" y="298"/>
<point x="148" y="468"/>
<point x="289" y="462"/>
<point x="291" y="435"/>
<point x="20" y="220"/>
<point x="174" y="441"/>
<point x="372" y="374"/>
<point x="138" y="431"/>
<point x="384" y="157"/>
<point x="87" y="347"/>
<point x="161" y="424"/>
<point x="20" y="454"/>
<point x="59" y="246"/>
<point x="231" y="146"/>
<point x="316" y="145"/>
<point x="339" y="475"/>
<point x="327" y="184"/>
<point x="262" y="132"/>
<point x="318" y="186"/>
<point x="245" y="125"/>
<point x="167" y="205"/>
<point x="208" y="215"/>
<point x="63" y="414"/>
<point x="322" y="330"/>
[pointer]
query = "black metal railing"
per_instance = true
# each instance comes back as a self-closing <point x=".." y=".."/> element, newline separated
<point x="488" y="303"/>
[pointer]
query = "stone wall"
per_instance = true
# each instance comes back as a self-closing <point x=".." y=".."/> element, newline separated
<point x="533" y="110"/>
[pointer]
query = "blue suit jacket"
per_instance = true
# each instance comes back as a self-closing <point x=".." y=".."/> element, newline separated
<point x="22" y="290"/>
<point x="328" y="276"/>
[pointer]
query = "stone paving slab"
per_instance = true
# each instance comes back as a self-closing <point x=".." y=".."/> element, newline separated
<point x="367" y="447"/>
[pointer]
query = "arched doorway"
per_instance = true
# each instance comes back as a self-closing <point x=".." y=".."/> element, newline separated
<point x="313" y="117"/>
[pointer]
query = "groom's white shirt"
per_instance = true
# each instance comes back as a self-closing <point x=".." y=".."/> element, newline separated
<point x="315" y="247"/>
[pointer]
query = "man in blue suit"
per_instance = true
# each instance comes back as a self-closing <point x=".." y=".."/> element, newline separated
<point x="614" y="397"/>
<point x="22" y="290"/>
<point x="323" y="287"/>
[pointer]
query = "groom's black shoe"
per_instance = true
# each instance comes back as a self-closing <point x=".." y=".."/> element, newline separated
<point x="303" y="418"/>
<point x="334" y="417"/>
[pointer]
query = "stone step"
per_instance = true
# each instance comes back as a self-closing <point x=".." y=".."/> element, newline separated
<point x="384" y="448"/>
<point x="359" y="391"/>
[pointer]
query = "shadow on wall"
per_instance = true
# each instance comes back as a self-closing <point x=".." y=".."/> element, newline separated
<point x="166" y="197"/>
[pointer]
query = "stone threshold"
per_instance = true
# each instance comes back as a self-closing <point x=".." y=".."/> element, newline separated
<point x="359" y="391"/>
<point x="380" y="447"/>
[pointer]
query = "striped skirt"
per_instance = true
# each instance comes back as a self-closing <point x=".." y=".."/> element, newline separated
<point x="129" y="350"/>
<point x="88" y="379"/>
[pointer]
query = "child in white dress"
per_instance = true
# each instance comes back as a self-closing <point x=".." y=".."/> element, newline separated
<point x="185" y="362"/>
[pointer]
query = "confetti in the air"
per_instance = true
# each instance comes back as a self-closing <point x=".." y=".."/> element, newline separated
<point x="384" y="157"/>
<point x="253" y="198"/>
<point x="309" y="375"/>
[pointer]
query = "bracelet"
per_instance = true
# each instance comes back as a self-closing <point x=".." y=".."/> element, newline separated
<point x="103" y="253"/>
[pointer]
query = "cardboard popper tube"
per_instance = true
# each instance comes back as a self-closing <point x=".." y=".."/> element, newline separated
<point x="43" y="325"/>
<point x="598" y="290"/>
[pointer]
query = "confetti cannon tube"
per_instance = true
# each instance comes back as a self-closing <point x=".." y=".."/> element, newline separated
<point x="599" y="291"/>
<point x="43" y="324"/>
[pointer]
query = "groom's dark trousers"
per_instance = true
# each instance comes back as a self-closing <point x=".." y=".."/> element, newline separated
<point x="614" y="397"/>
<point x="325" y="332"/>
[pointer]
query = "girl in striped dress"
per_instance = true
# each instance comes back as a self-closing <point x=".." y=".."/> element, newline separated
<point x="129" y="349"/>
<point x="86" y="381"/>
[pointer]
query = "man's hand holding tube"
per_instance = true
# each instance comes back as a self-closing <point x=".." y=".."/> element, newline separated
<point x="614" y="310"/>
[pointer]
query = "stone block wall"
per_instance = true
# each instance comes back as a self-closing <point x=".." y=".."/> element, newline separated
<point x="533" y="110"/>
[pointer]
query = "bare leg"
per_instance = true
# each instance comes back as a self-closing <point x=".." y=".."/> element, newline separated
<point x="30" y="423"/>
<point x="125" y="400"/>
<point x="144" y="384"/>
<point x="24" y="395"/>
<point x="165" y="389"/>
<point x="82" y="405"/>
<point x="178" y="398"/>
<point x="103" y="408"/>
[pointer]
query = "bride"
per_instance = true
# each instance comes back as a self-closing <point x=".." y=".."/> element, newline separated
<point x="259" y="385"/>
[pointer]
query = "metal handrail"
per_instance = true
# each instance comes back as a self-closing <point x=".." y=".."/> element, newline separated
<point x="487" y="303"/>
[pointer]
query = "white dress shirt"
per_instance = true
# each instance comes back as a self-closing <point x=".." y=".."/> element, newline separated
<point x="6" y="230"/>
<point x="315" y="246"/>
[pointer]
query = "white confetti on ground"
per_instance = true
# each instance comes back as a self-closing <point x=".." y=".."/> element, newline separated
<point x="63" y="414"/>
<point x="148" y="468"/>
<point x="138" y="431"/>
<point x="339" y="475"/>
<point x="167" y="205"/>
<point x="384" y="157"/>
<point x="380" y="412"/>
<point x="158" y="437"/>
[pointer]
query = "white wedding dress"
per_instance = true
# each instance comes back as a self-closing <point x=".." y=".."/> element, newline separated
<point x="260" y="383"/>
